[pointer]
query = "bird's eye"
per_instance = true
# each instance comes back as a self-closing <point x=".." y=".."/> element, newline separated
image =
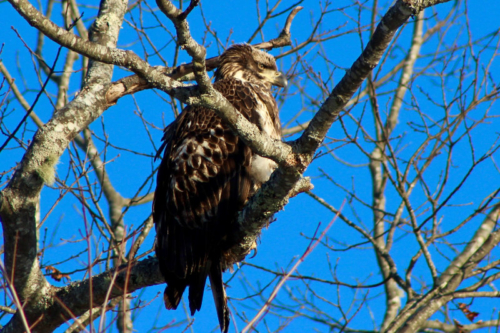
<point x="261" y="66"/>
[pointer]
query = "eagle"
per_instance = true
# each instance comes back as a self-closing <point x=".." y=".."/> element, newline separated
<point x="206" y="176"/>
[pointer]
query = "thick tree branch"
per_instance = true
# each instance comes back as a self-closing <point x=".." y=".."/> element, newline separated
<point x="21" y="196"/>
<point x="450" y="328"/>
<point x="75" y="297"/>
<point x="483" y="233"/>
<point x="184" y="39"/>
<point x="397" y="15"/>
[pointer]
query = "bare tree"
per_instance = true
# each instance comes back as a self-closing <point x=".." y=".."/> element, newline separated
<point x="412" y="117"/>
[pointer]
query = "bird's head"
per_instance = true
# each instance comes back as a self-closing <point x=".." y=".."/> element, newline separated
<point x="245" y="62"/>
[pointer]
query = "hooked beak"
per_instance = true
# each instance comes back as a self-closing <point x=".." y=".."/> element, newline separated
<point x="280" y="80"/>
<point x="276" y="78"/>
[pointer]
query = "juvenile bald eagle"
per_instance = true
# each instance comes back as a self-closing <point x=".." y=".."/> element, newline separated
<point x="207" y="174"/>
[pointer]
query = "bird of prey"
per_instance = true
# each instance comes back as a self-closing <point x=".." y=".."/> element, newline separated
<point x="207" y="174"/>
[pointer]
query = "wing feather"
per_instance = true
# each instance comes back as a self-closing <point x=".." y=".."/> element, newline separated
<point x="204" y="165"/>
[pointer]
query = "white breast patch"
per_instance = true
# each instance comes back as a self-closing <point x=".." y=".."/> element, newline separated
<point x="262" y="168"/>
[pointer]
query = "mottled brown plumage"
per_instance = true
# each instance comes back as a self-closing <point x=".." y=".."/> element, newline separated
<point x="207" y="174"/>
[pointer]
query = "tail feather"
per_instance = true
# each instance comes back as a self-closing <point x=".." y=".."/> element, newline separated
<point x="219" y="294"/>
<point x="173" y="294"/>
<point x="196" y="290"/>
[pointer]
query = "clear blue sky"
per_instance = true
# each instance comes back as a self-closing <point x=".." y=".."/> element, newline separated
<point x="284" y="241"/>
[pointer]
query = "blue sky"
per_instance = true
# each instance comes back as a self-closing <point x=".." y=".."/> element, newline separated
<point x="286" y="239"/>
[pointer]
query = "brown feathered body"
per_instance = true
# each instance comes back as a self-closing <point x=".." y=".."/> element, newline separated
<point x="207" y="174"/>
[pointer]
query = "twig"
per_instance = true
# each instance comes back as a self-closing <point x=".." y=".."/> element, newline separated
<point x="42" y="90"/>
<point x="15" y="298"/>
<point x="314" y="242"/>
<point x="188" y="10"/>
<point x="284" y="39"/>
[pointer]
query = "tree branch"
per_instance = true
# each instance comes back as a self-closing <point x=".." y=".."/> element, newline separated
<point x="275" y="193"/>
<point x="75" y="297"/>
<point x="20" y="198"/>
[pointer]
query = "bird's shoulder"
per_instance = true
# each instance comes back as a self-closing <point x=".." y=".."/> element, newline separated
<point x="243" y="95"/>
